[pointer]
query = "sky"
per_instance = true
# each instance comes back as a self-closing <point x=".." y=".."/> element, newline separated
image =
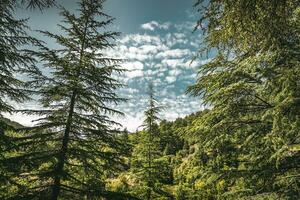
<point x="159" y="46"/>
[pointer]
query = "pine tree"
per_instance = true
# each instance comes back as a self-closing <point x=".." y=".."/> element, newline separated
<point x="146" y="153"/>
<point x="124" y="138"/>
<point x="150" y="123"/>
<point x="251" y="87"/>
<point x="16" y="62"/>
<point x="41" y="4"/>
<point x="73" y="147"/>
<point x="32" y="4"/>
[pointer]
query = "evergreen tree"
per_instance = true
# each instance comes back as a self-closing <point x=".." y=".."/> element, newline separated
<point x="175" y="167"/>
<point x="16" y="61"/>
<point x="251" y="85"/>
<point x="150" y="123"/>
<point x="170" y="140"/>
<point x="73" y="147"/>
<point x="39" y="3"/>
<point x="33" y="4"/>
<point x="146" y="152"/>
<point x="126" y="142"/>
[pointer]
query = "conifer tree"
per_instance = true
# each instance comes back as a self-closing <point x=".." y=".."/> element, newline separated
<point x="16" y="63"/>
<point x="73" y="147"/>
<point x="41" y="4"/>
<point x="251" y="130"/>
<point x="31" y="4"/>
<point x="145" y="163"/>
<point x="150" y="123"/>
<point x="14" y="58"/>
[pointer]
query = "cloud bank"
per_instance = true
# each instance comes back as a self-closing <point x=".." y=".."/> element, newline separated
<point x="160" y="53"/>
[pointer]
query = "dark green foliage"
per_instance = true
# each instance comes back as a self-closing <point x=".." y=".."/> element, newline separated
<point x="15" y="60"/>
<point x="73" y="148"/>
<point x="170" y="141"/>
<point x="169" y="157"/>
<point x="252" y="86"/>
<point x="37" y="3"/>
<point x="147" y="150"/>
<point x="245" y="146"/>
<point x="9" y="124"/>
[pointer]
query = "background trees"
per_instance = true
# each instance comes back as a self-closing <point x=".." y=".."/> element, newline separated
<point x="245" y="146"/>
<point x="146" y="152"/>
<point x="251" y="86"/>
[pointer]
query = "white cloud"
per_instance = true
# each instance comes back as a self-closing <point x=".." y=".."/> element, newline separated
<point x="134" y="39"/>
<point x="151" y="49"/>
<point x="179" y="35"/>
<point x="135" y="65"/>
<point x="173" y="62"/>
<point x="132" y="90"/>
<point x="154" y="25"/>
<point x="173" y="53"/>
<point x="187" y="26"/>
<point x="150" y="25"/>
<point x="162" y="57"/>
<point x="171" y="79"/>
<point x="134" y="73"/>
<point x="150" y="72"/>
<point x="175" y="39"/>
<point x="132" y="121"/>
<point x="175" y="72"/>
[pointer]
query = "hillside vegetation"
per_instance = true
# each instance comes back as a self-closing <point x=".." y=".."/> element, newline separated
<point x="244" y="146"/>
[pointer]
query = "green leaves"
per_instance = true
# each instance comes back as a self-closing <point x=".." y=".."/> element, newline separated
<point x="250" y="86"/>
<point x="73" y="147"/>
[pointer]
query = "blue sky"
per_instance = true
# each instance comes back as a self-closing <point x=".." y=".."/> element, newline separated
<point x="158" y="45"/>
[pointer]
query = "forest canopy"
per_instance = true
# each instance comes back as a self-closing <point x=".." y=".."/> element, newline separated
<point x="244" y="144"/>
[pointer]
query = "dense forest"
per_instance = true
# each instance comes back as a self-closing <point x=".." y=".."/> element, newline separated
<point x="244" y="145"/>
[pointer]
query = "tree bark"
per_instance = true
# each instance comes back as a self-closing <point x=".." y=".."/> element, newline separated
<point x="62" y="156"/>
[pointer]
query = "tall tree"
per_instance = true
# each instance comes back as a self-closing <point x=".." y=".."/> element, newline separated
<point x="14" y="58"/>
<point x="73" y="147"/>
<point x="33" y="4"/>
<point x="146" y="154"/>
<point x="16" y="61"/>
<point x="252" y="130"/>
<point x="41" y="4"/>
<point x="150" y="123"/>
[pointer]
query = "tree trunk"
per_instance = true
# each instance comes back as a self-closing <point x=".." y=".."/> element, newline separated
<point x="63" y="151"/>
